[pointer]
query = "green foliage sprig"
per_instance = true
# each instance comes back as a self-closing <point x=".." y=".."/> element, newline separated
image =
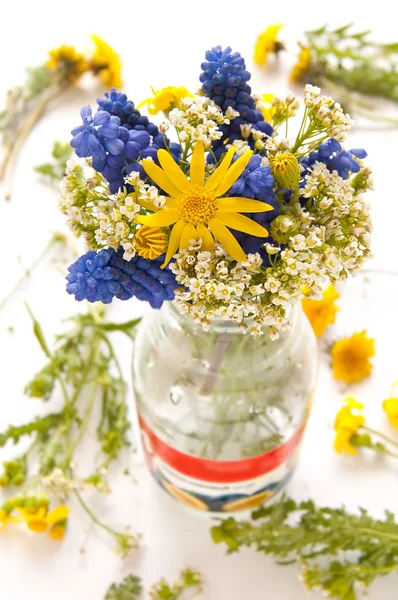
<point x="54" y="170"/>
<point x="131" y="588"/>
<point x="337" y="551"/>
<point x="83" y="368"/>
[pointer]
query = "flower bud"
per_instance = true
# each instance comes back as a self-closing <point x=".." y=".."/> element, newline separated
<point x="285" y="169"/>
<point x="283" y="228"/>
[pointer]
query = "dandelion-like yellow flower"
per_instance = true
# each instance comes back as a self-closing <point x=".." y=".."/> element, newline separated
<point x="150" y="242"/>
<point x="107" y="62"/>
<point x="267" y="43"/>
<point x="351" y="357"/>
<point x="267" y="108"/>
<point x="299" y="70"/>
<point x="70" y="63"/>
<point x="390" y="406"/>
<point x="195" y="206"/>
<point x="165" y="99"/>
<point x="6" y="518"/>
<point x="322" y="313"/>
<point x="39" y="520"/>
<point x="285" y="169"/>
<point x="347" y="425"/>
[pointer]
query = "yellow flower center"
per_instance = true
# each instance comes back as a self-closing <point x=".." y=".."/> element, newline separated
<point x="197" y="205"/>
<point x="150" y="242"/>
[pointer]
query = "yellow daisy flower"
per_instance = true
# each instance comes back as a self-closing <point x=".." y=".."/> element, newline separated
<point x="68" y="61"/>
<point x="195" y="206"/>
<point x="39" y="520"/>
<point x="6" y="518"/>
<point x="266" y="43"/>
<point x="390" y="406"/>
<point x="107" y="62"/>
<point x="165" y="99"/>
<point x="301" y="67"/>
<point x="322" y="313"/>
<point x="351" y="357"/>
<point x="346" y="425"/>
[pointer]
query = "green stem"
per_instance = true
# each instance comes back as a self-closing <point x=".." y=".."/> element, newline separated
<point x="93" y="517"/>
<point x="82" y="427"/>
<point x="380" y="435"/>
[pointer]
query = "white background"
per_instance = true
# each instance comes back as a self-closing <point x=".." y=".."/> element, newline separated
<point x="163" y="43"/>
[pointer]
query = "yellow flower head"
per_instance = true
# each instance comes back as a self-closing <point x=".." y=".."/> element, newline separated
<point x="39" y="520"/>
<point x="390" y="406"/>
<point x="70" y="64"/>
<point x="347" y="425"/>
<point x="267" y="107"/>
<point x="267" y="43"/>
<point x="194" y="206"/>
<point x="107" y="62"/>
<point x="322" y="313"/>
<point x="165" y="99"/>
<point x="299" y="70"/>
<point x="6" y="518"/>
<point x="285" y="169"/>
<point x="351" y="357"/>
<point x="150" y="242"/>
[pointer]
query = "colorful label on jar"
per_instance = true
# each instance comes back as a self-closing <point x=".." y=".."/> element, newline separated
<point x="219" y="486"/>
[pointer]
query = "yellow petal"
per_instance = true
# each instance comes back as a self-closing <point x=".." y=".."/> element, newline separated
<point x="227" y="240"/>
<point x="57" y="532"/>
<point x="235" y="204"/>
<point x="241" y="223"/>
<point x="163" y="218"/>
<point x="189" y="233"/>
<point x="173" y="171"/>
<point x="58" y="514"/>
<point x="174" y="241"/>
<point x="160" y="178"/>
<point x="197" y="168"/>
<point x="207" y="238"/>
<point x="37" y="526"/>
<point x="215" y="179"/>
<point x="171" y="202"/>
<point x="233" y="173"/>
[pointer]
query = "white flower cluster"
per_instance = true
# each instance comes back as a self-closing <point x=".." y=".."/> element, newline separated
<point x="326" y="114"/>
<point x="198" y="119"/>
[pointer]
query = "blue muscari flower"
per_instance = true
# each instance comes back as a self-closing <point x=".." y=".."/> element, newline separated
<point x="335" y="158"/>
<point x="256" y="181"/>
<point x="224" y="79"/>
<point x="97" y="135"/>
<point x="105" y="275"/>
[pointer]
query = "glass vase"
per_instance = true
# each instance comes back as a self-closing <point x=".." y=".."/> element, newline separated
<point x="222" y="413"/>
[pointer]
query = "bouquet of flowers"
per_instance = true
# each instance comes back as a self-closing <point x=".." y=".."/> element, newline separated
<point x="226" y="214"/>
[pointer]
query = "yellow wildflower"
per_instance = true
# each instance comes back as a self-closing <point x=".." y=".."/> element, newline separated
<point x="68" y="62"/>
<point x="346" y="425"/>
<point x="39" y="520"/>
<point x="107" y="62"/>
<point x="299" y="70"/>
<point x="150" y="242"/>
<point x="285" y="169"/>
<point x="165" y="99"/>
<point x="390" y="406"/>
<point x="267" y="43"/>
<point x="351" y="357"/>
<point x="6" y="518"/>
<point x="195" y="206"/>
<point x="322" y="313"/>
<point x="267" y="107"/>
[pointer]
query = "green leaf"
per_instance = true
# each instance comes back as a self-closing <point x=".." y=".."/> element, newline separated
<point x="40" y="425"/>
<point x="129" y="589"/>
<point x="125" y="327"/>
<point x="37" y="330"/>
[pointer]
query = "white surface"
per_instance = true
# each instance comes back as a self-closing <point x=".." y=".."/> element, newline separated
<point x="162" y="43"/>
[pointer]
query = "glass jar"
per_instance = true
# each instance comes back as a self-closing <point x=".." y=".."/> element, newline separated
<point x="222" y="413"/>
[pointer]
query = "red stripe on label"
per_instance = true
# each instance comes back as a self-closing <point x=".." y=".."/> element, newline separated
<point x="220" y="471"/>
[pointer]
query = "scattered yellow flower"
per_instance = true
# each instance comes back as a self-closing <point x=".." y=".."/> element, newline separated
<point x="195" y="206"/>
<point x="70" y="63"/>
<point x="267" y="43"/>
<point x="6" y="518"/>
<point x="346" y="425"/>
<point x="390" y="406"/>
<point x="351" y="357"/>
<point x="39" y="520"/>
<point x="299" y="70"/>
<point x="107" y="62"/>
<point x="150" y="242"/>
<point x="322" y="313"/>
<point x="165" y="99"/>
<point x="267" y="107"/>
